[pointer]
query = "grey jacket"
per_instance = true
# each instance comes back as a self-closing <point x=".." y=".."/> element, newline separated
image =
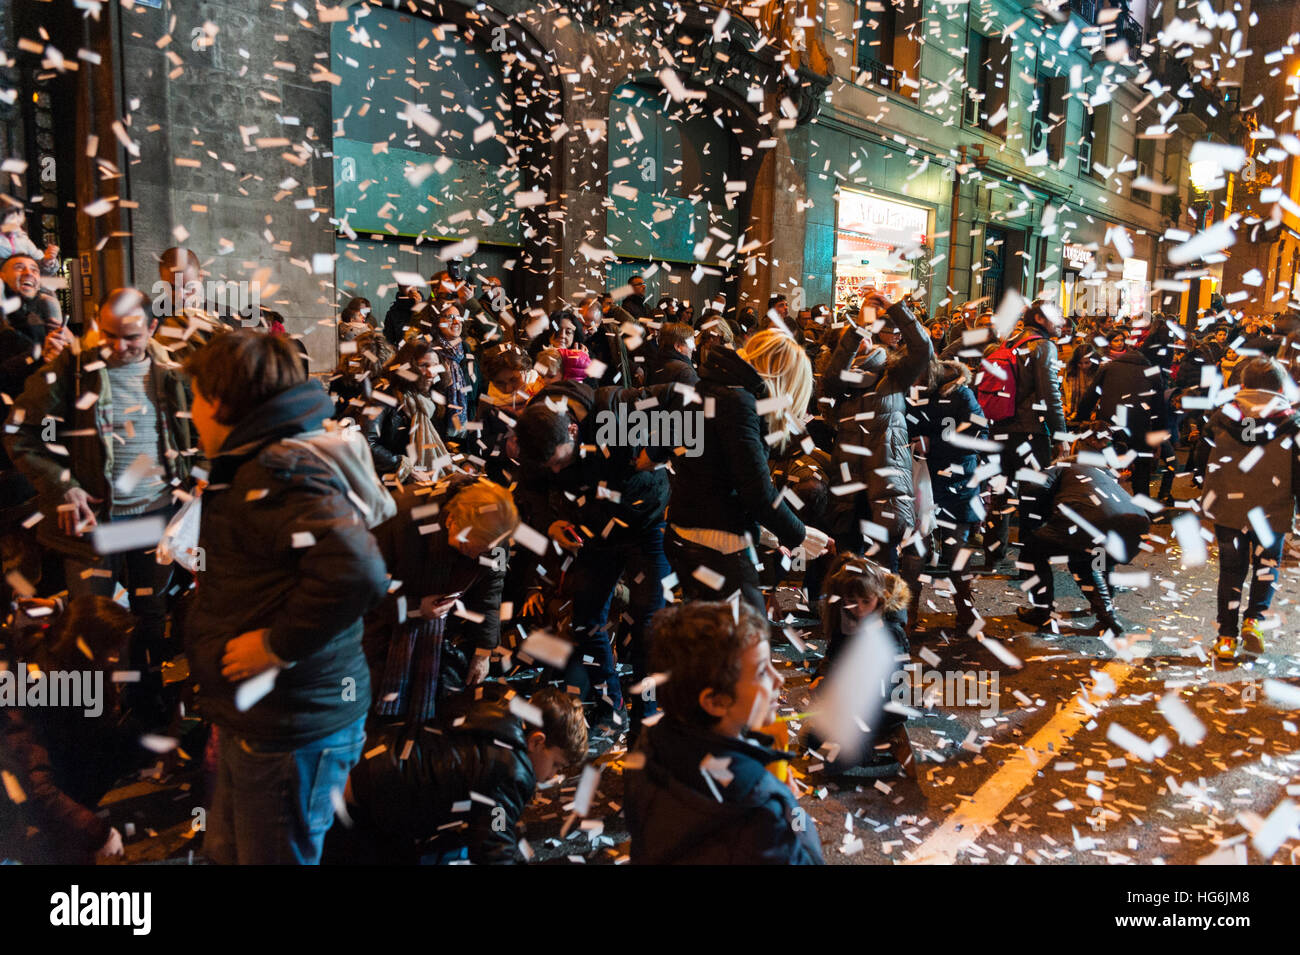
<point x="871" y="434"/>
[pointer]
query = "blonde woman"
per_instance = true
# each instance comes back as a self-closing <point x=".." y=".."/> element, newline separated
<point x="723" y="495"/>
<point x="448" y="549"/>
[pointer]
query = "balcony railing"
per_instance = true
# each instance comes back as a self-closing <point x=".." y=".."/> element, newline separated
<point x="1088" y="9"/>
<point x="881" y="74"/>
<point x="1129" y="30"/>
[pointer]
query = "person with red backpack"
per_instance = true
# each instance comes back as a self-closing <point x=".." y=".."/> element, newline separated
<point x="1019" y="390"/>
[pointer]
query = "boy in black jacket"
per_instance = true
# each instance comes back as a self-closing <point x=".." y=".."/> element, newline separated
<point x="437" y="790"/>
<point x="698" y="789"/>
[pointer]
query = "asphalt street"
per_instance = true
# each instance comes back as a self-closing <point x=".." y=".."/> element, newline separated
<point x="1068" y="756"/>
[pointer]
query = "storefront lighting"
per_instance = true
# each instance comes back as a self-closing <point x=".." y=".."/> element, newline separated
<point x="1204" y="175"/>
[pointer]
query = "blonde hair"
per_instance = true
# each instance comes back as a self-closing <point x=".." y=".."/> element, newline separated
<point x="784" y="367"/>
<point x="486" y="509"/>
<point x="854" y="579"/>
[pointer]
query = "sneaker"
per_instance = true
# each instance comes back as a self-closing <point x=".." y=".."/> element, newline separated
<point x="1226" y="647"/>
<point x="1035" y="616"/>
<point x="1108" y="623"/>
<point x="1252" y="635"/>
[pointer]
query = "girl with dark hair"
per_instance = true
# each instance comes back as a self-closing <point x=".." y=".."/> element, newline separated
<point x="403" y="437"/>
<point x="458" y="377"/>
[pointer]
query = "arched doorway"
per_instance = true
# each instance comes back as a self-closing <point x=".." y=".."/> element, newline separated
<point x="441" y="143"/>
<point x="672" y="216"/>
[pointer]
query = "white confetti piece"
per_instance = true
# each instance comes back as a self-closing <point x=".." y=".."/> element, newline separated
<point x="526" y="711"/>
<point x="999" y="650"/>
<point x="1187" y="528"/>
<point x="1179" y="715"/>
<point x="525" y="536"/>
<point x="1130" y="742"/>
<point x="12" y="788"/>
<point x="255" y="688"/>
<point x="1285" y="695"/>
<point x="1282" y="824"/>
<point x="852" y="696"/>
<point x="586" y="789"/>
<point x="708" y="577"/>
<point x="547" y="648"/>
<point x="118" y="536"/>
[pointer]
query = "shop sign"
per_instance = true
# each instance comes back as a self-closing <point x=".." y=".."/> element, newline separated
<point x="1077" y="256"/>
<point x="884" y="220"/>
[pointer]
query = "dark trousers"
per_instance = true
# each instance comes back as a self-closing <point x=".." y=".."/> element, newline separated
<point x="946" y="543"/>
<point x="596" y="569"/>
<point x="1239" y="553"/>
<point x="738" y="571"/>
<point x="997" y="532"/>
<point x="145" y="581"/>
<point x="1089" y="572"/>
<point x="1146" y="462"/>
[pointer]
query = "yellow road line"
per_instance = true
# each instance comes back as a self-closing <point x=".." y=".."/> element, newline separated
<point x="970" y="820"/>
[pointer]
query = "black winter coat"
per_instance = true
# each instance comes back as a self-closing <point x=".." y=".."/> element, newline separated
<point x="668" y="365"/>
<point x="410" y="794"/>
<point x="1128" y="381"/>
<point x="400" y="315"/>
<point x="675" y="819"/>
<point x="388" y="434"/>
<point x="1091" y="492"/>
<point x="1038" y="387"/>
<point x="284" y="548"/>
<point x="1259" y="423"/>
<point x="575" y="494"/>
<point x="729" y="486"/>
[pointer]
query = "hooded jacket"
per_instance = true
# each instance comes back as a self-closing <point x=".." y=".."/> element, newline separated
<point x="1249" y="454"/>
<point x="871" y="435"/>
<point x="675" y="818"/>
<point x="1129" y="381"/>
<point x="602" y="490"/>
<point x="728" y="486"/>
<point x="284" y="548"/>
<point x="86" y="432"/>
<point x="412" y="795"/>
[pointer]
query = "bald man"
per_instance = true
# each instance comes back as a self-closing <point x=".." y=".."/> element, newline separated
<point x="118" y="405"/>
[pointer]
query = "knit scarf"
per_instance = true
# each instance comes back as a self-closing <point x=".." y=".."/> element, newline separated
<point x="452" y="358"/>
<point x="426" y="449"/>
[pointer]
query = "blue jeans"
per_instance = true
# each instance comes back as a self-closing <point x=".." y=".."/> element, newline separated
<point x="273" y="807"/>
<point x="595" y="572"/>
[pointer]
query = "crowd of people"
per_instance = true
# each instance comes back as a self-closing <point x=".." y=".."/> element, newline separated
<point x="407" y="593"/>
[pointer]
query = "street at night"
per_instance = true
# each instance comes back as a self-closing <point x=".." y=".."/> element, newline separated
<point x="726" y="433"/>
